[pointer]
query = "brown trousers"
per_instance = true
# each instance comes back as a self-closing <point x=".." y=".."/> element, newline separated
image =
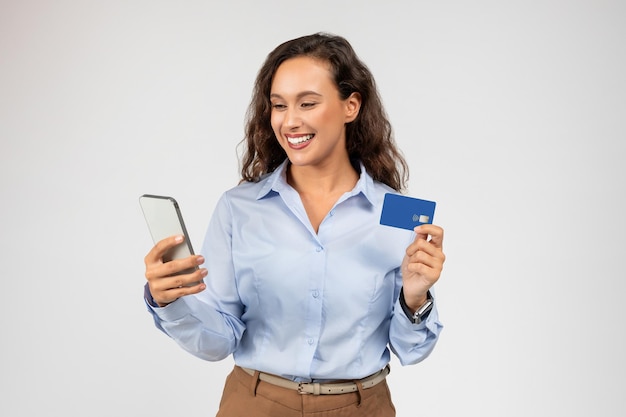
<point x="247" y="396"/>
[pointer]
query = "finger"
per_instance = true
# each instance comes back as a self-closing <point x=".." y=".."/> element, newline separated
<point x="181" y="266"/>
<point x="435" y="260"/>
<point x="435" y="233"/>
<point x="166" y="296"/>
<point x="421" y="241"/>
<point x="421" y="269"/>
<point x="430" y="248"/>
<point x="156" y="253"/>
<point x="420" y="234"/>
<point x="418" y="244"/>
<point x="182" y="280"/>
<point x="161" y="269"/>
<point x="429" y="271"/>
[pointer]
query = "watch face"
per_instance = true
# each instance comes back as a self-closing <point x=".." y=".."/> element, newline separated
<point x="423" y="311"/>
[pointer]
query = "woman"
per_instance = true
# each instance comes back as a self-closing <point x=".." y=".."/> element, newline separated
<point x="301" y="283"/>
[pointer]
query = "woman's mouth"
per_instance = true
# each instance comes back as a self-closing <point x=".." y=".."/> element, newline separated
<point x="299" y="140"/>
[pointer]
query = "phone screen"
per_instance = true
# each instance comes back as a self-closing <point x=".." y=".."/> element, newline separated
<point x="164" y="219"/>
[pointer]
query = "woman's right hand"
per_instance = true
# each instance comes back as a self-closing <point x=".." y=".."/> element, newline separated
<point x="165" y="286"/>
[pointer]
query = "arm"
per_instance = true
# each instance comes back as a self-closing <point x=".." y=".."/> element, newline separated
<point x="420" y="270"/>
<point x="203" y="318"/>
<point x="412" y="343"/>
<point x="422" y="264"/>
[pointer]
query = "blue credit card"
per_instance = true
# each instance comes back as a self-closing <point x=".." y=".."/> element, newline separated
<point x="406" y="212"/>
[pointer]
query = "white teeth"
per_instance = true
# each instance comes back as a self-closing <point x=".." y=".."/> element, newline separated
<point x="299" y="139"/>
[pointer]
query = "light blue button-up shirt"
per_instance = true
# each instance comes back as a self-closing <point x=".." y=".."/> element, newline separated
<point x="291" y="302"/>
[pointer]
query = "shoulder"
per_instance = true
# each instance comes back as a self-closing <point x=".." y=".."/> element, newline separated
<point x="246" y="192"/>
<point x="375" y="191"/>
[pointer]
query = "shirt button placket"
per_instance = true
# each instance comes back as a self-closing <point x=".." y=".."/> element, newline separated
<point x="315" y="306"/>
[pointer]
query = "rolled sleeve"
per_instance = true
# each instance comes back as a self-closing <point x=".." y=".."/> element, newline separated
<point x="410" y="342"/>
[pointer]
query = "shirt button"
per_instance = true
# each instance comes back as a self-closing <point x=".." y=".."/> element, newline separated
<point x="316" y="293"/>
<point x="310" y="341"/>
<point x="319" y="249"/>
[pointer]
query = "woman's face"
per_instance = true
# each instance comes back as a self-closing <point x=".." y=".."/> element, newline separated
<point x="308" y="116"/>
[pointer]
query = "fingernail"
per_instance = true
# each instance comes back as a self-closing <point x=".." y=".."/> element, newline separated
<point x="178" y="239"/>
<point x="199" y="260"/>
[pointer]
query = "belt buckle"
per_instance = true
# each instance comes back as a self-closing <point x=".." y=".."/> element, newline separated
<point x="301" y="390"/>
<point x="309" y="388"/>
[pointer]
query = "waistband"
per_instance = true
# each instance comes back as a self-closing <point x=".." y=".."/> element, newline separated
<point x="317" y="388"/>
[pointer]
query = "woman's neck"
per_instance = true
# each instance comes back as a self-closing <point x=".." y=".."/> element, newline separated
<point x="322" y="181"/>
<point x="320" y="189"/>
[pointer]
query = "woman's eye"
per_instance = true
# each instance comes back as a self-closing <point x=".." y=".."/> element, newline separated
<point x="278" y="106"/>
<point x="308" y="104"/>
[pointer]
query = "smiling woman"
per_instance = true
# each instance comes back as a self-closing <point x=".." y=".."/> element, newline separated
<point x="309" y="117"/>
<point x="302" y="285"/>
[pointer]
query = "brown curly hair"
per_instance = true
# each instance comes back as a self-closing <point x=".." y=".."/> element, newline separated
<point x="369" y="138"/>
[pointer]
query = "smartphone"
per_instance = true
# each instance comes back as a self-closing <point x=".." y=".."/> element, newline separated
<point x="165" y="219"/>
<point x="406" y="212"/>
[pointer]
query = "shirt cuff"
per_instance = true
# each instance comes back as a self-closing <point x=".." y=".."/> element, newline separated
<point x="148" y="297"/>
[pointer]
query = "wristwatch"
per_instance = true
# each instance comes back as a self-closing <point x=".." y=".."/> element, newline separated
<point x="421" y="313"/>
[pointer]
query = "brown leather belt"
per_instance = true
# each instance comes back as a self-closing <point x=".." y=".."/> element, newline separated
<point x="317" y="388"/>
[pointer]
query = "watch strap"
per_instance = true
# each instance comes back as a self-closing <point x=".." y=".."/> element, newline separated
<point x="422" y="313"/>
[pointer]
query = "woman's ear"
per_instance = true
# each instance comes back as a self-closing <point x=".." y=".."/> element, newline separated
<point x="353" y="106"/>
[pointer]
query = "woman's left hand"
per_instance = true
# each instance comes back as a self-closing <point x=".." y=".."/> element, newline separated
<point x="422" y="264"/>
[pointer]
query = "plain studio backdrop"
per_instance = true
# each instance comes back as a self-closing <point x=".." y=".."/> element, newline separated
<point x="511" y="115"/>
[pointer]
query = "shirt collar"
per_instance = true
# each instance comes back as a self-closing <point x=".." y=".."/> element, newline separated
<point x="276" y="182"/>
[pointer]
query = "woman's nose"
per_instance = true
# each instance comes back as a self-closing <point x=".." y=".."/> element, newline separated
<point x="292" y="118"/>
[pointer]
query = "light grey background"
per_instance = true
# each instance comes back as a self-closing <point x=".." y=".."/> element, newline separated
<point x="511" y="114"/>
